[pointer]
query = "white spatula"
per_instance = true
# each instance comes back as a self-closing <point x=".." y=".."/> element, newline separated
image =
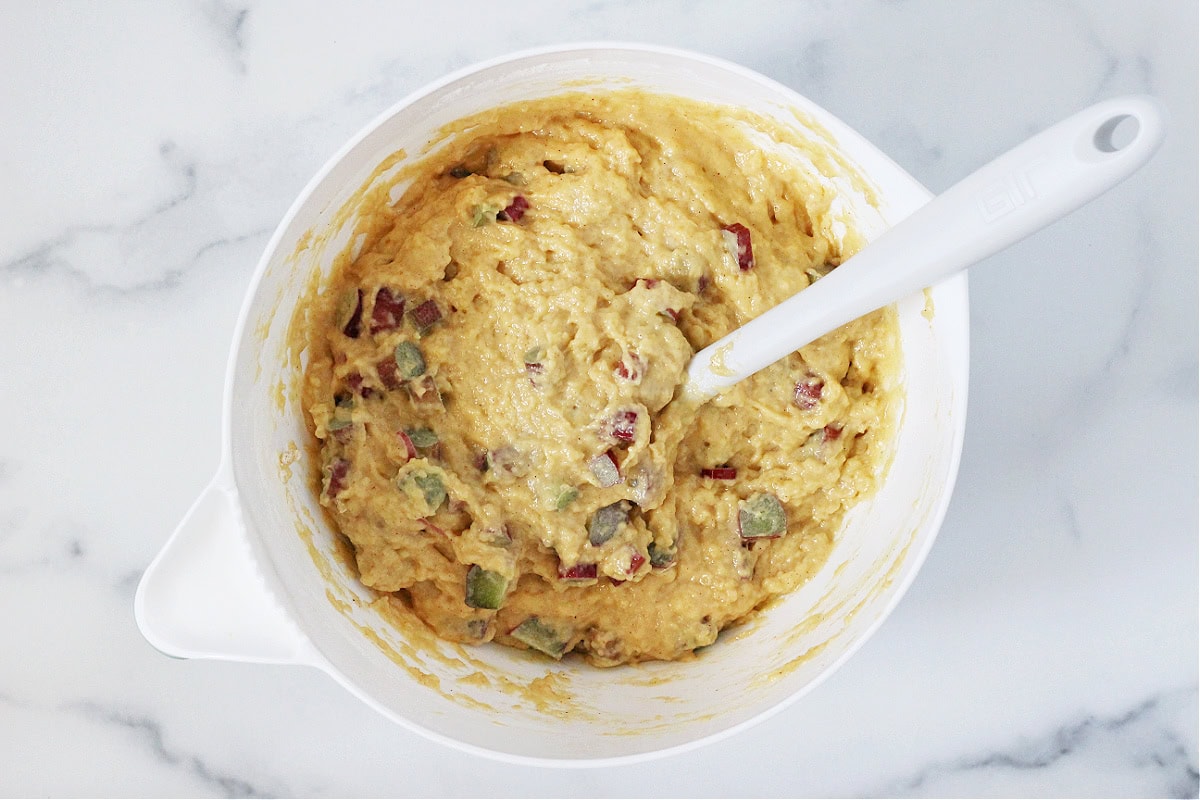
<point x="1022" y="191"/>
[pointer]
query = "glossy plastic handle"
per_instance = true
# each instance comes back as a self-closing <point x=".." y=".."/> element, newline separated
<point x="1022" y="191"/>
<point x="203" y="596"/>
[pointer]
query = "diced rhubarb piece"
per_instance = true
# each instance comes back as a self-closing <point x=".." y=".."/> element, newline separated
<point x="623" y="426"/>
<point x="336" y="474"/>
<point x="702" y="284"/>
<point x="631" y="367"/>
<point x="737" y="240"/>
<point x="565" y="496"/>
<point x="349" y="313"/>
<point x="635" y="562"/>
<point x="341" y="424"/>
<point x="432" y="487"/>
<point x="388" y="313"/>
<point x="509" y="460"/>
<point x="428" y="484"/>
<point x="422" y="437"/>
<point x="832" y="432"/>
<point x="644" y="483"/>
<point x="719" y="473"/>
<point x="424" y="392"/>
<point x="541" y="637"/>
<point x="762" y="517"/>
<point x="389" y="373"/>
<point x="476" y="629"/>
<point x="660" y="557"/>
<point x="342" y="432"/>
<point x="578" y="572"/>
<point x="481" y="461"/>
<point x="671" y="314"/>
<point x="807" y="394"/>
<point x="409" y="446"/>
<point x="425" y="315"/>
<point x="485" y="589"/>
<point x="354" y="382"/>
<point x="484" y="213"/>
<point x="604" y="467"/>
<point x="815" y="273"/>
<point x="410" y="361"/>
<point x="514" y="210"/>
<point x="605" y="523"/>
<point x="497" y="536"/>
<point x="535" y="363"/>
<point x="515" y="178"/>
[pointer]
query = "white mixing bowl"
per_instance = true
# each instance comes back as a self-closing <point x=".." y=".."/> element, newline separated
<point x="252" y="572"/>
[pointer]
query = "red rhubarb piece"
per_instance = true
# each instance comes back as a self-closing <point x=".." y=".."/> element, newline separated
<point x="388" y="312"/>
<point x="425" y="315"/>
<point x="389" y="373"/>
<point x="514" y="210"/>
<point x="623" y="426"/>
<point x="635" y="562"/>
<point x="578" y="572"/>
<point x="631" y="367"/>
<point x="832" y="433"/>
<point x="338" y="471"/>
<point x="807" y="393"/>
<point x="424" y="392"/>
<point x="407" y="441"/>
<point x="737" y="239"/>
<point x="719" y="473"/>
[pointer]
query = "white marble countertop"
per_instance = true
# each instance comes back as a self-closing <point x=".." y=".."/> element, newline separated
<point x="1049" y="646"/>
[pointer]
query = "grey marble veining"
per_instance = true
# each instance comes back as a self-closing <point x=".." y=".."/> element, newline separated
<point x="1049" y="645"/>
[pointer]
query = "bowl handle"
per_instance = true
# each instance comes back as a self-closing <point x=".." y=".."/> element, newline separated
<point x="203" y="596"/>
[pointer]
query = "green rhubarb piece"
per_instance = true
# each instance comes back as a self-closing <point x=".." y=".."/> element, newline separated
<point x="428" y="484"/>
<point x="484" y="213"/>
<point x="761" y="516"/>
<point x="540" y="636"/>
<point x="341" y="418"/>
<point x="432" y="487"/>
<point x="346" y="306"/>
<point x="410" y="363"/>
<point x="422" y="437"/>
<point x="660" y="556"/>
<point x="535" y="355"/>
<point x="485" y="589"/>
<point x="605" y="523"/>
<point x="566" y="495"/>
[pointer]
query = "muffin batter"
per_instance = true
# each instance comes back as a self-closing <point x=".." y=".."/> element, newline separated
<point x="490" y="380"/>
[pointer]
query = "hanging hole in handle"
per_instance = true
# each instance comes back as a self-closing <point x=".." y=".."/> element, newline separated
<point x="1117" y="133"/>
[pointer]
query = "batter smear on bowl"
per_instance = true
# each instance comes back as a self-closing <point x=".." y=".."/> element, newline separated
<point x="491" y="377"/>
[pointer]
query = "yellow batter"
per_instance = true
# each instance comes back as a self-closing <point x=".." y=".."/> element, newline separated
<point x="490" y="381"/>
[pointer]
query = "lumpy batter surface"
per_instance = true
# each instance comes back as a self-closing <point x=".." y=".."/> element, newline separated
<point x="490" y="380"/>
